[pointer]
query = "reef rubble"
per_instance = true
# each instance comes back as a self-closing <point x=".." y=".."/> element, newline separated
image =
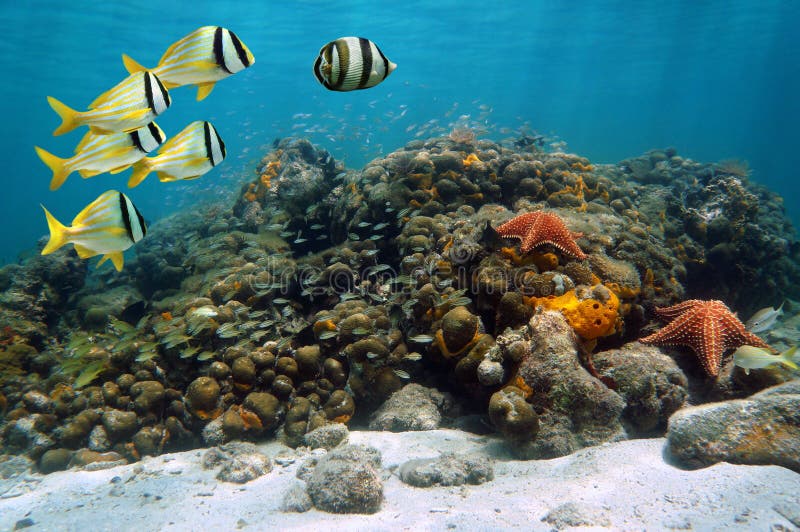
<point x="386" y="297"/>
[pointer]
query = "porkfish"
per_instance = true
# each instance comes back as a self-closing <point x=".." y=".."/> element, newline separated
<point x="107" y="226"/>
<point x="202" y="58"/>
<point x="97" y="153"/>
<point x="188" y="155"/>
<point x="129" y="105"/>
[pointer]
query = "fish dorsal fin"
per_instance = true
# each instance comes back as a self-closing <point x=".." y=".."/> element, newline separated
<point x="130" y="65"/>
<point x="101" y="202"/>
<point x="134" y="82"/>
<point x="203" y="90"/>
<point x="171" y="50"/>
<point x="84" y="252"/>
<point x="84" y="141"/>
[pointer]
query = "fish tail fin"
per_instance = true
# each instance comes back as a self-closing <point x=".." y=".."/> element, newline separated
<point x="140" y="170"/>
<point x="58" y="233"/>
<point x="69" y="116"/>
<point x="56" y="164"/>
<point x="787" y="356"/>
<point x="130" y="65"/>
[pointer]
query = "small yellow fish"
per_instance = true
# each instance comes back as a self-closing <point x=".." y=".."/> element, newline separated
<point x="188" y="155"/>
<point x="129" y="105"/>
<point x="749" y="357"/>
<point x="202" y="58"/>
<point x="97" y="153"/>
<point x="107" y="226"/>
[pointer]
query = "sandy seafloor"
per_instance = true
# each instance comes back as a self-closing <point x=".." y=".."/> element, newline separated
<point x="621" y="486"/>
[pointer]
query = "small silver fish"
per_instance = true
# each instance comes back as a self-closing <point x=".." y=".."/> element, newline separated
<point x="749" y="357"/>
<point x="764" y="319"/>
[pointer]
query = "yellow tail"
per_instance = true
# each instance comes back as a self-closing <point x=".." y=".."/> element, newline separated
<point x="57" y="165"/>
<point x="130" y="65"/>
<point x="69" y="116"/>
<point x="58" y="233"/>
<point x="141" y="169"/>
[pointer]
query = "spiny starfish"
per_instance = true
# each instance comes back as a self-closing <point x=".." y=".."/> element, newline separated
<point x="536" y="228"/>
<point x="708" y="327"/>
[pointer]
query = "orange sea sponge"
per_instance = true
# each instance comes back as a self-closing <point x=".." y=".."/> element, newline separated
<point x="591" y="317"/>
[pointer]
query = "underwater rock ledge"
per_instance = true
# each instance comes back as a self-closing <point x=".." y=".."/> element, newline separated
<point x="323" y="292"/>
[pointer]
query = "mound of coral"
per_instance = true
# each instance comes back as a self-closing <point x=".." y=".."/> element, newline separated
<point x="322" y="291"/>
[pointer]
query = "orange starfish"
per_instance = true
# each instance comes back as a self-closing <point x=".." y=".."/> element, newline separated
<point x="536" y="228"/>
<point x="708" y="327"/>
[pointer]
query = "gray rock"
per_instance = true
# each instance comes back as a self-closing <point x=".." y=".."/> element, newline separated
<point x="573" y="514"/>
<point x="650" y="382"/>
<point x="327" y="436"/>
<point x="414" y="407"/>
<point x="98" y="439"/>
<point x="446" y="470"/>
<point x="575" y="409"/>
<point x="763" y="429"/>
<point x="37" y="402"/>
<point x="296" y="499"/>
<point x="241" y="462"/>
<point x="346" y="480"/>
<point x="21" y="436"/>
<point x="213" y="433"/>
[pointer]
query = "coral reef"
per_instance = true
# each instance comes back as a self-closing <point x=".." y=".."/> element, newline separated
<point x="396" y="297"/>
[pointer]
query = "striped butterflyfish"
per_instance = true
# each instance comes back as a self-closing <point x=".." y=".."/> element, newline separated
<point x="202" y="58"/>
<point x="351" y="63"/>
<point x="97" y="153"/>
<point x="107" y="226"/>
<point x="133" y="103"/>
<point x="188" y="155"/>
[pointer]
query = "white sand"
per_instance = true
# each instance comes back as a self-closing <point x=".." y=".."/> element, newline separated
<point x="627" y="486"/>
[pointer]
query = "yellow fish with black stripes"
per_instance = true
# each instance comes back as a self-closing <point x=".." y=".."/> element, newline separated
<point x="188" y="155"/>
<point x="107" y="226"/>
<point x="134" y="102"/>
<point x="97" y="153"/>
<point x="202" y="58"/>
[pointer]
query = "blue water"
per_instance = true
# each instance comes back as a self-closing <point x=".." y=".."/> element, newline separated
<point x="715" y="79"/>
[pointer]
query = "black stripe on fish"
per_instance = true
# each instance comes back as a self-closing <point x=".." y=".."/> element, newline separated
<point x="366" y="62"/>
<point x="318" y="72"/>
<point x="155" y="132"/>
<point x="148" y="90"/>
<point x="126" y="218"/>
<point x="164" y="96"/>
<point x="137" y="141"/>
<point x="343" y="52"/>
<point x="239" y="49"/>
<point x="385" y="62"/>
<point x="219" y="53"/>
<point x="140" y="218"/>
<point x="214" y="156"/>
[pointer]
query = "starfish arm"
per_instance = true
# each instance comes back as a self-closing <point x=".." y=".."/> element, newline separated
<point x="670" y="313"/>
